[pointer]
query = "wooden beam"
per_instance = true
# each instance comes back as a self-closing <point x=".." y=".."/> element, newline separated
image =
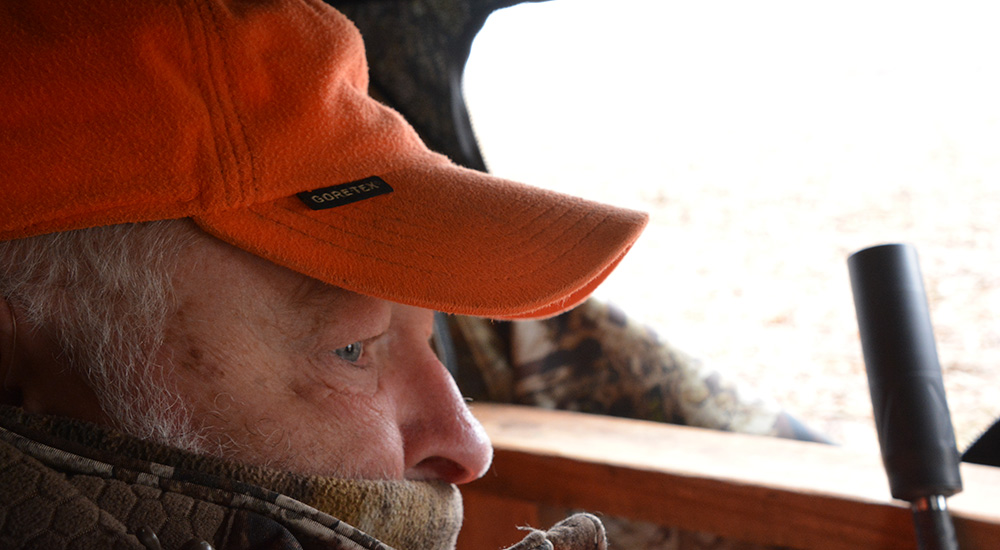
<point x="751" y="488"/>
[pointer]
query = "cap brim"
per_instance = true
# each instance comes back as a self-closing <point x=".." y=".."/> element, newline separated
<point x="447" y="239"/>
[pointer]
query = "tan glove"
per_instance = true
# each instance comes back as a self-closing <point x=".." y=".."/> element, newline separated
<point x="577" y="532"/>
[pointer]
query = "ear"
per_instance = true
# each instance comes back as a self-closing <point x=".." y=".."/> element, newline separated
<point x="36" y="376"/>
<point x="10" y="394"/>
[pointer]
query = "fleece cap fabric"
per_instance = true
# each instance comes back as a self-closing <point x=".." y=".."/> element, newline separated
<point x="252" y="118"/>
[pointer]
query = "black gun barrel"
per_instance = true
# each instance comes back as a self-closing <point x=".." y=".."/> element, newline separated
<point x="907" y="391"/>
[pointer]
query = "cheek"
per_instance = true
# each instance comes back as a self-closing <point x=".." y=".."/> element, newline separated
<point x="328" y="373"/>
<point x="192" y="361"/>
<point x="352" y="404"/>
<point x="354" y="436"/>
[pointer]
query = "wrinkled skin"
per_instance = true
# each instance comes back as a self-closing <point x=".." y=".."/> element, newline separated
<point x="278" y="369"/>
<point x="315" y="378"/>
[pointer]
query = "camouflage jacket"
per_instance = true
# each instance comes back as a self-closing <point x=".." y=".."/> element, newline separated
<point x="594" y="359"/>
<point x="67" y="484"/>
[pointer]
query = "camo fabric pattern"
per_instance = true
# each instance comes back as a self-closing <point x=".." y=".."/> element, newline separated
<point x="593" y="359"/>
<point x="70" y="484"/>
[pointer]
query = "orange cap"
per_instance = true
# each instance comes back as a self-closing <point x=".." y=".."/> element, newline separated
<point x="253" y="119"/>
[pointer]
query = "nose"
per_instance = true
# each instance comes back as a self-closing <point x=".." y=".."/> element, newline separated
<point x="441" y="439"/>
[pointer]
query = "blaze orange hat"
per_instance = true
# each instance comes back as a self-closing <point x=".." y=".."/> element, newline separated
<point x="252" y="118"/>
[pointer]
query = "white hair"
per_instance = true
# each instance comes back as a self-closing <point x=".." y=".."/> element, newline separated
<point x="105" y="293"/>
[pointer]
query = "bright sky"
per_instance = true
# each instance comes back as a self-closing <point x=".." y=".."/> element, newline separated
<point x="769" y="139"/>
<point x="858" y="92"/>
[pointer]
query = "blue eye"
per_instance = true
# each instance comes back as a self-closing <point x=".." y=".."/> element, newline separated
<point x="350" y="352"/>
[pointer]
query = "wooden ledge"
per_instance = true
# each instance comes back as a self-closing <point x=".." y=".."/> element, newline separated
<point x="751" y="488"/>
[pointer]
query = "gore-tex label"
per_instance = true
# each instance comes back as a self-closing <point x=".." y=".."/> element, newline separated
<point x="345" y="193"/>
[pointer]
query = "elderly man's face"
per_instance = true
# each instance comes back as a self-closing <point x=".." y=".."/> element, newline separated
<point x="281" y="370"/>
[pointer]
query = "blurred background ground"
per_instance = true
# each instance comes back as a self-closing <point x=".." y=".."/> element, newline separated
<point x="769" y="140"/>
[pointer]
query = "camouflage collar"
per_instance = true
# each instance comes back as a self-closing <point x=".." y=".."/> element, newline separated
<point x="360" y="514"/>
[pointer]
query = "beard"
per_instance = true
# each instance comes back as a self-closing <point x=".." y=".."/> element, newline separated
<point x="147" y="410"/>
<point x="133" y="393"/>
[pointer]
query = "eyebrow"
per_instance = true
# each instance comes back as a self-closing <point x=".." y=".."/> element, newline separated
<point x="323" y="304"/>
<point x="312" y="293"/>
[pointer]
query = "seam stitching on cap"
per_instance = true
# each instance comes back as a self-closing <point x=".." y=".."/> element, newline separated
<point x="518" y="248"/>
<point x="355" y="252"/>
<point x="298" y="214"/>
<point x="525" y="220"/>
<point x="239" y="136"/>
<point x="225" y="139"/>
<point x="581" y="239"/>
<point x="204" y="90"/>
<point x="353" y="233"/>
